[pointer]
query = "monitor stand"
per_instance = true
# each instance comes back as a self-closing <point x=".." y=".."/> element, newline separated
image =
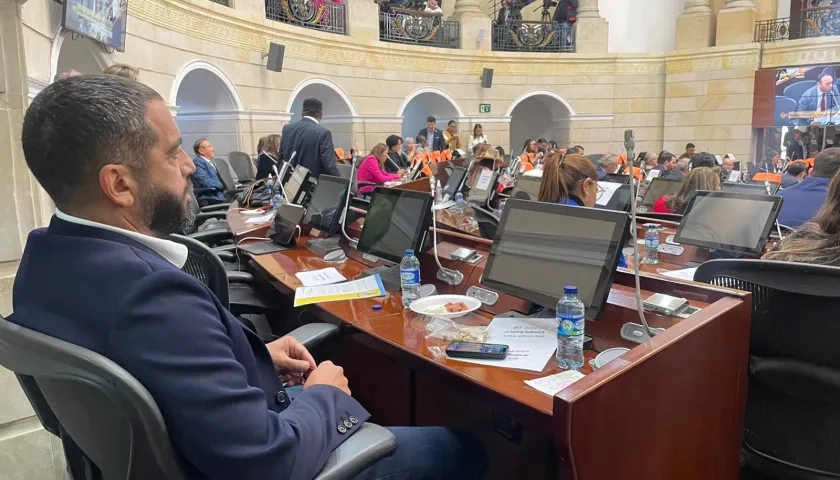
<point x="323" y="246"/>
<point x="534" y="313"/>
<point x="390" y="276"/>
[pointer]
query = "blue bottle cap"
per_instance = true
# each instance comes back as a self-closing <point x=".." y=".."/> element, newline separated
<point x="409" y="252"/>
<point x="377" y="307"/>
<point x="570" y="289"/>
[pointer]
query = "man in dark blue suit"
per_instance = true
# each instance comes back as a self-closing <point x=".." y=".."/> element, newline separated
<point x="822" y="97"/>
<point x="803" y="200"/>
<point x="309" y="142"/>
<point x="102" y="276"/>
<point x="206" y="177"/>
<point x="434" y="136"/>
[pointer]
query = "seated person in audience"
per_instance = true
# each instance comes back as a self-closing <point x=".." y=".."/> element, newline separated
<point x="666" y="161"/>
<point x="395" y="161"/>
<point x="227" y="413"/>
<point x="803" y="200"/>
<point x="680" y="171"/>
<point x="450" y="136"/>
<point x="477" y="138"/>
<point x="818" y="240"/>
<point x="422" y="146"/>
<point x="372" y="170"/>
<point x="267" y="161"/>
<point x="571" y="180"/>
<point x="794" y="173"/>
<point x="261" y="145"/>
<point x="726" y="167"/>
<point x="607" y="164"/>
<point x="771" y="164"/>
<point x="704" y="159"/>
<point x="433" y="8"/>
<point x="210" y="189"/>
<point x="702" y="178"/>
<point x="409" y="149"/>
<point x="651" y="160"/>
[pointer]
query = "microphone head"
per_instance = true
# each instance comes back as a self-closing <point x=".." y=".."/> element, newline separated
<point x="629" y="140"/>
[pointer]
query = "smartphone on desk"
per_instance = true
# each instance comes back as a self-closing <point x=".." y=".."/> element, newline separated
<point x="486" y="351"/>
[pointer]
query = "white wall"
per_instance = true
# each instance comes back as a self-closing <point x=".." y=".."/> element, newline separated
<point x="641" y="27"/>
<point x="784" y="9"/>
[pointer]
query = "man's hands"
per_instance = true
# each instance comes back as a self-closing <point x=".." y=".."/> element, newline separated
<point x="294" y="362"/>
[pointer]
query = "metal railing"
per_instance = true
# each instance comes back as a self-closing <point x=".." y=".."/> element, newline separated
<point x="817" y="18"/>
<point x="417" y="28"/>
<point x="524" y="36"/>
<point x="324" y="15"/>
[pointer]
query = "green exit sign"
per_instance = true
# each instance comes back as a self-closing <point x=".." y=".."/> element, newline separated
<point x="484" y="108"/>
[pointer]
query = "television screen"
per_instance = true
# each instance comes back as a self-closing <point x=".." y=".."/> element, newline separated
<point x="103" y="21"/>
<point x="807" y="96"/>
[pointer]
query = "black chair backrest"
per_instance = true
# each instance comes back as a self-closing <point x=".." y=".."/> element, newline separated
<point x="791" y="428"/>
<point x="345" y="170"/>
<point x="195" y="209"/>
<point x="225" y="173"/>
<point x="487" y="222"/>
<point x="206" y="266"/>
<point x="106" y="411"/>
<point x="242" y="165"/>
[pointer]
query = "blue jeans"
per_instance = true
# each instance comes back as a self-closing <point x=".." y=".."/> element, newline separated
<point x="427" y="453"/>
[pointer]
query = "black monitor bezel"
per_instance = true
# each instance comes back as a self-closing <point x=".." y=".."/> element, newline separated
<point x="613" y="204"/>
<point x="333" y="228"/>
<point x="642" y="202"/>
<point x="457" y="188"/>
<point x="296" y="197"/>
<point x="419" y="243"/>
<point x="617" y="178"/>
<point x="517" y="188"/>
<point x="759" y="189"/>
<point x="765" y="233"/>
<point x="619" y="237"/>
<point x="494" y="179"/>
<point x="774" y="186"/>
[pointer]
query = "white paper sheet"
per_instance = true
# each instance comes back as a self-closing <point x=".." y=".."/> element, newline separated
<point x="315" y="278"/>
<point x="484" y="179"/>
<point x="609" y="190"/>
<point x="734" y="176"/>
<point x="261" y="219"/>
<point x="537" y="172"/>
<point x="653" y="174"/>
<point x="684" y="274"/>
<point x="552" y="384"/>
<point x="531" y="342"/>
<point x="363" y="288"/>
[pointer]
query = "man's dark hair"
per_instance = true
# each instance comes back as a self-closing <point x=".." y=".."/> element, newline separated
<point x="826" y="163"/>
<point x="703" y="159"/>
<point x="689" y="146"/>
<point x="76" y="126"/>
<point x="312" y="107"/>
<point x="392" y="141"/>
<point x="823" y="75"/>
<point x="664" y="156"/>
<point x="578" y="149"/>
<point x="542" y="140"/>
<point x="197" y="145"/>
<point x="796" y="168"/>
<point x="430" y="119"/>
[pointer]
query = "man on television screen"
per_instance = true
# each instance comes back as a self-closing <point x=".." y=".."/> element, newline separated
<point x="822" y="97"/>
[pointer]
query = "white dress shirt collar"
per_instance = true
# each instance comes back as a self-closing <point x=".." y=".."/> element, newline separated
<point x="174" y="253"/>
<point x="313" y="119"/>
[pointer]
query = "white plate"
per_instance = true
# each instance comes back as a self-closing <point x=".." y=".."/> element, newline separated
<point x="252" y="212"/>
<point x="421" y="305"/>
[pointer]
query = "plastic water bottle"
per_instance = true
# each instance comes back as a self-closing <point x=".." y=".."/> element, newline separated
<point x="652" y="243"/>
<point x="459" y="203"/>
<point x="410" y="277"/>
<point x="571" y="318"/>
<point x="438" y="192"/>
<point x="502" y="203"/>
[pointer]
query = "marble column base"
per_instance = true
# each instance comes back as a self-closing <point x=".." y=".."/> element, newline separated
<point x="695" y="30"/>
<point x="592" y="35"/>
<point x="735" y="26"/>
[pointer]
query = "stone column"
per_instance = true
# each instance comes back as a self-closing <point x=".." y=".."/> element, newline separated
<point x="592" y="33"/>
<point x="736" y="22"/>
<point x="475" y="26"/>
<point x="696" y="25"/>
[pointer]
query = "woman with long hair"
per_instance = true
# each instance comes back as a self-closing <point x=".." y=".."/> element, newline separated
<point x="477" y="138"/>
<point x="817" y="241"/>
<point x="571" y="180"/>
<point x="372" y="169"/>
<point x="701" y="178"/>
<point x="268" y="156"/>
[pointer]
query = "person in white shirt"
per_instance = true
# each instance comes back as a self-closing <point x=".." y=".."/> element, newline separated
<point x="433" y="8"/>
<point x="477" y="138"/>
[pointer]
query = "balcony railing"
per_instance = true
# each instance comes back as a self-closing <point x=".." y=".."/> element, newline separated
<point x="324" y="15"/>
<point x="402" y="25"/>
<point x="816" y="18"/>
<point x="524" y="36"/>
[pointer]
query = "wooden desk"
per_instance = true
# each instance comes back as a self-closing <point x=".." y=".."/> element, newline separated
<point x="671" y="408"/>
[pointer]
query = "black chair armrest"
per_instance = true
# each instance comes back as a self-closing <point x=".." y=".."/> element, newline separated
<point x="215" y="207"/>
<point x="217" y="215"/>
<point x="240" y="277"/>
<point x="367" y="446"/>
<point x="226" y="256"/>
<point x="211" y="236"/>
<point x="225" y="248"/>
<point x="312" y="334"/>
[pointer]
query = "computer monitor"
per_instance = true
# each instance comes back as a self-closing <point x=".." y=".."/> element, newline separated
<point x="617" y="178"/>
<point x="658" y="187"/>
<point x="619" y="198"/>
<point x="295" y="185"/>
<point x="527" y="188"/>
<point x="482" y="186"/>
<point x="327" y="204"/>
<point x="455" y="183"/>
<point x="774" y="186"/>
<point x="396" y="221"/>
<point x="729" y="221"/>
<point x="743" y="188"/>
<point x="541" y="247"/>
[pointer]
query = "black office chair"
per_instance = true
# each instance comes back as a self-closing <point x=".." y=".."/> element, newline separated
<point x="111" y="426"/>
<point x="243" y="166"/>
<point x="226" y="176"/>
<point x="487" y="222"/>
<point x="345" y="170"/>
<point x="670" y="217"/>
<point x="791" y="428"/>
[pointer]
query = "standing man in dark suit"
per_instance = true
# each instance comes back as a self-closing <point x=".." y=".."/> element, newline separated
<point x="311" y="144"/>
<point x="120" y="189"/>
<point x="433" y="135"/>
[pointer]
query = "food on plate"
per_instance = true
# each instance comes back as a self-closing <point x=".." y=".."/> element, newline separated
<point x="451" y="307"/>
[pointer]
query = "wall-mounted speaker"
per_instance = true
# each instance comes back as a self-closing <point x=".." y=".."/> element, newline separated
<point x="487" y="78"/>
<point x="275" y="57"/>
